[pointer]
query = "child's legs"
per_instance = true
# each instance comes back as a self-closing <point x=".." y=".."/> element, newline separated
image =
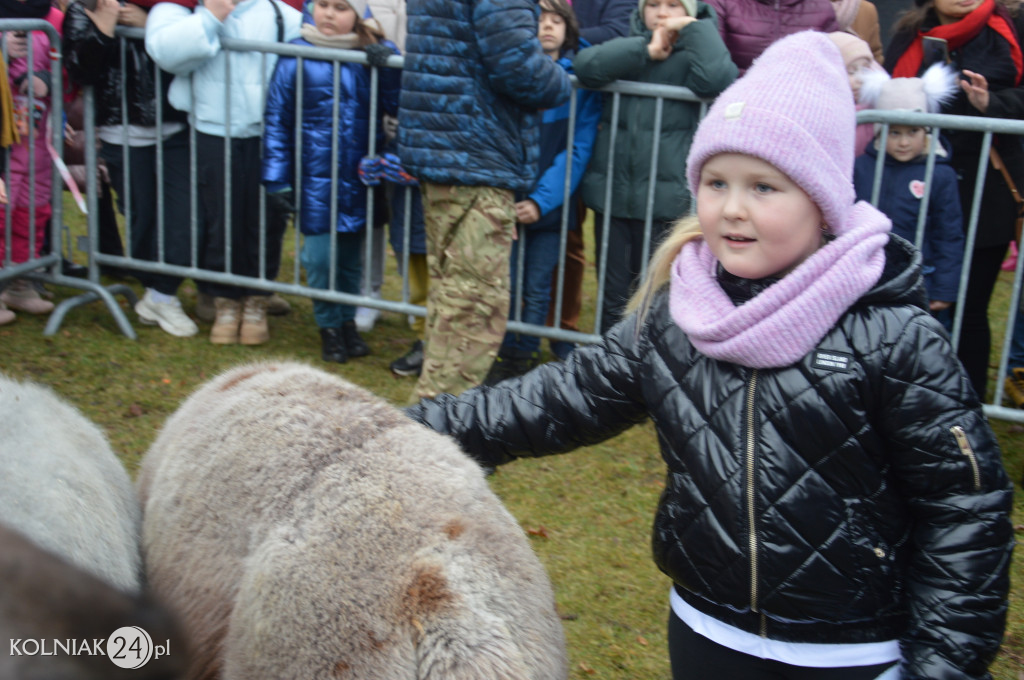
<point x="541" y="259"/>
<point x="1016" y="358"/>
<point x="695" y="657"/>
<point x="316" y="260"/>
<point x="419" y="285"/>
<point x="26" y="242"/>
<point x="572" y="285"/>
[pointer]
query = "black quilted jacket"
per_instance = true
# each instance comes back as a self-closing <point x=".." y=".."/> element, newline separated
<point x="855" y="496"/>
<point x="92" y="58"/>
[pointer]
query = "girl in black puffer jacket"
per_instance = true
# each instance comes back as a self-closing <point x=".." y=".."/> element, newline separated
<point x="835" y="503"/>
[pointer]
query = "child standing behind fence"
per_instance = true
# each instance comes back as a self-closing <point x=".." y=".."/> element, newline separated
<point x="671" y="42"/>
<point x="540" y="212"/>
<point x="31" y="177"/>
<point x="903" y="187"/>
<point x="188" y="44"/>
<point x="336" y="24"/>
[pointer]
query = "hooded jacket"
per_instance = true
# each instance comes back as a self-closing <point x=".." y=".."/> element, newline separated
<point x="318" y="119"/>
<point x="94" y="58"/>
<point x="474" y="81"/>
<point x="698" y="61"/>
<point x="855" y="496"/>
<point x="900" y="197"/>
<point x="748" y="27"/>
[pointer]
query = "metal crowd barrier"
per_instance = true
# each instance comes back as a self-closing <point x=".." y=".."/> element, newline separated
<point x="47" y="267"/>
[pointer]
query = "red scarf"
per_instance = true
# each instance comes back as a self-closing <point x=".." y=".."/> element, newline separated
<point x="959" y="33"/>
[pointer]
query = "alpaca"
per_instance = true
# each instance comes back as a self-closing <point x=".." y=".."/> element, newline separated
<point x="62" y="486"/>
<point x="44" y="597"/>
<point x="304" y="528"/>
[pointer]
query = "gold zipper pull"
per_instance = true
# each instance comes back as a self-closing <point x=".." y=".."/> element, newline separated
<point x="965" y="448"/>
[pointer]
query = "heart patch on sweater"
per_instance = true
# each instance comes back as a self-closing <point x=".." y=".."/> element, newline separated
<point x="917" y="188"/>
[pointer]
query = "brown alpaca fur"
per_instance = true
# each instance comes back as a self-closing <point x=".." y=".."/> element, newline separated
<point x="304" y="528"/>
<point x="44" y="597"/>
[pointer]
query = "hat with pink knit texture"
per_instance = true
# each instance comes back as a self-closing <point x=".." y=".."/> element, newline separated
<point x="793" y="109"/>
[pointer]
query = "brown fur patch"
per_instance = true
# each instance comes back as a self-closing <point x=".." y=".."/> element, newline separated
<point x="428" y="593"/>
<point x="341" y="669"/>
<point x="241" y="377"/>
<point x="454" y="529"/>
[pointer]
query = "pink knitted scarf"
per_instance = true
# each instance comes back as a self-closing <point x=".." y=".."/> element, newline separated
<point x="785" y="321"/>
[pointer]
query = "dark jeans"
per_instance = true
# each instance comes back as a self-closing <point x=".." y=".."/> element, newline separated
<point x="625" y="261"/>
<point x="695" y="657"/>
<point x="141" y="198"/>
<point x="975" y="334"/>
<point x="242" y="236"/>
<point x="541" y="259"/>
<point x="316" y="259"/>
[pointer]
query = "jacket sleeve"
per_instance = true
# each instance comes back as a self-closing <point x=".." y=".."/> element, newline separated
<point x="89" y="54"/>
<point x="279" y="125"/>
<point x="617" y="59"/>
<point x="949" y="469"/>
<point x="946" y="234"/>
<point x="550" y="192"/>
<point x="180" y="40"/>
<point x="389" y="86"/>
<point x="559" y="406"/>
<point x="517" y="68"/>
<point x="711" y="66"/>
<point x="613" y="22"/>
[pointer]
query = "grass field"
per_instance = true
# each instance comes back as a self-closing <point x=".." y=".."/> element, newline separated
<point x="588" y="514"/>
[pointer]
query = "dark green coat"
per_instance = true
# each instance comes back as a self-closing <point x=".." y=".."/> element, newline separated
<point x="699" y="61"/>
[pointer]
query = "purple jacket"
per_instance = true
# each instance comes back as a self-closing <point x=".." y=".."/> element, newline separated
<point x="748" y="27"/>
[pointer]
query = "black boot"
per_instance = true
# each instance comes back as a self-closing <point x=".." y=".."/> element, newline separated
<point x="332" y="347"/>
<point x="354" y="345"/>
<point x="511" y="364"/>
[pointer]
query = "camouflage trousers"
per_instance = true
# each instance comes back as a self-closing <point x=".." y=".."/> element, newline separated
<point x="469" y="238"/>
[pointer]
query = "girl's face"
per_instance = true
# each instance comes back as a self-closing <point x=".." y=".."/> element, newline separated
<point x="755" y="219"/>
<point x="334" y="17"/>
<point x="950" y="11"/>
<point x="906" y="142"/>
<point x="551" y="31"/>
<point x="657" y="10"/>
<point x="854" y="70"/>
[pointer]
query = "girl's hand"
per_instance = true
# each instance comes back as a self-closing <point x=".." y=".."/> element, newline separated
<point x="220" y="8"/>
<point x="939" y="305"/>
<point x="665" y="35"/>
<point x="976" y="88"/>
<point x="132" y="15"/>
<point x="104" y="17"/>
<point x="17" y="44"/>
<point x="3" y="192"/>
<point x="527" y="212"/>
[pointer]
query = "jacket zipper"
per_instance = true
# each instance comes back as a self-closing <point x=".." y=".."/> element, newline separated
<point x="751" y="515"/>
<point x="965" y="448"/>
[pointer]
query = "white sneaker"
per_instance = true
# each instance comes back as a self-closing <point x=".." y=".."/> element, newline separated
<point x="366" y="317"/>
<point x="168" y="315"/>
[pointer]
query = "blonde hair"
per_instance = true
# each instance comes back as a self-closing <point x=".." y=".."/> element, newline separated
<point x="683" y="231"/>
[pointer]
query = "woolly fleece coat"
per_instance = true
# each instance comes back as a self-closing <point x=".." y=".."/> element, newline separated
<point x="748" y="27"/>
<point x="187" y="44"/>
<point x="856" y="501"/>
<point x="353" y="121"/>
<point x="900" y="198"/>
<point x="474" y="80"/>
<point x="698" y="61"/>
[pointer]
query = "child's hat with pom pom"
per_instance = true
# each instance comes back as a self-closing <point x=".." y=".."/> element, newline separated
<point x="792" y="108"/>
<point x="926" y="94"/>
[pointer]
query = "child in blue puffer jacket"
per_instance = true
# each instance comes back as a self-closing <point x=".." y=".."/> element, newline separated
<point x="332" y="210"/>
<point x="539" y="212"/>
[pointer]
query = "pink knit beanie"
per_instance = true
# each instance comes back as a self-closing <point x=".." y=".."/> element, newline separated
<point x="793" y="109"/>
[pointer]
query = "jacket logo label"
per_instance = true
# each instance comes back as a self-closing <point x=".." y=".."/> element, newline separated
<point x="733" y="110"/>
<point x="917" y="188"/>
<point x="832" y="361"/>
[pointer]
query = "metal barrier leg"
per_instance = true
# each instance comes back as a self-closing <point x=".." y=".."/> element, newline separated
<point x="93" y="292"/>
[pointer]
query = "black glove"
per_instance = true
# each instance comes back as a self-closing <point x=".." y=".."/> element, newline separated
<point x="377" y="54"/>
<point x="282" y="203"/>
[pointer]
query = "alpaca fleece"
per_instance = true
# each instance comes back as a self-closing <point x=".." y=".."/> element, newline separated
<point x="304" y="528"/>
<point x="62" y="487"/>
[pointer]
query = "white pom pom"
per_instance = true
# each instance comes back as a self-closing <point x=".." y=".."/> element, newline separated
<point x="871" y="83"/>
<point x="940" y="84"/>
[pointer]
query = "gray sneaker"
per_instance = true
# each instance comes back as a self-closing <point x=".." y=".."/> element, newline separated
<point x="168" y="315"/>
<point x="411" y="363"/>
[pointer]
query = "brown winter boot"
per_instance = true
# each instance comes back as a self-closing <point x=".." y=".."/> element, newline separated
<point x="225" y="326"/>
<point x="254" y="320"/>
